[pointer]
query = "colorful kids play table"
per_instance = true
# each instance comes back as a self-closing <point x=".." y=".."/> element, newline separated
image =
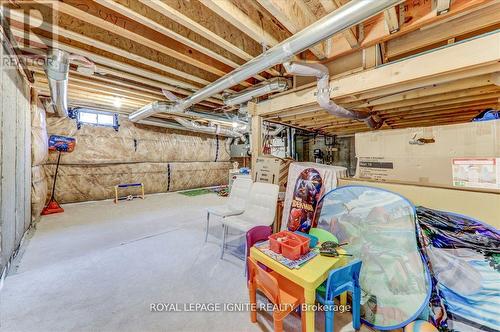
<point x="309" y="276"/>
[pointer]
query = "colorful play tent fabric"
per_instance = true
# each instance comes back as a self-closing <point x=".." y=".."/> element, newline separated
<point x="463" y="255"/>
<point x="379" y="227"/>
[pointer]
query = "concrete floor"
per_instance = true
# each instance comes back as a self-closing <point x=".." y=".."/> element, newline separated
<point x="99" y="266"/>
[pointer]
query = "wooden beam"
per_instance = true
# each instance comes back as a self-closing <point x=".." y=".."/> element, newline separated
<point x="146" y="21"/>
<point x="295" y="16"/>
<point x="474" y="53"/>
<point x="477" y="20"/>
<point x="453" y="95"/>
<point x="39" y="24"/>
<point x="187" y="38"/>
<point x="431" y="90"/>
<point x="413" y="16"/>
<point x="495" y="78"/>
<point x="483" y="98"/>
<point x="231" y="13"/>
<point x="106" y="61"/>
<point x="95" y="14"/>
<point x="168" y="8"/>
<point x="349" y="34"/>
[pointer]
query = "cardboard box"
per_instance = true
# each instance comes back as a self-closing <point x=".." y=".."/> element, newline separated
<point x="267" y="169"/>
<point x="429" y="155"/>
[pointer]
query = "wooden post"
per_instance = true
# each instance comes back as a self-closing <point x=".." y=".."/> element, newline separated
<point x="256" y="134"/>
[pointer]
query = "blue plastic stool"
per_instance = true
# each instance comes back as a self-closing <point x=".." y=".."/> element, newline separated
<point x="339" y="281"/>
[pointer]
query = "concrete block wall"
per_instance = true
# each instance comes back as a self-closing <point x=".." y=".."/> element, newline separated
<point x="15" y="159"/>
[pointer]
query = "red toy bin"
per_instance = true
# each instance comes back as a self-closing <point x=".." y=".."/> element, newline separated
<point x="289" y="244"/>
<point x="291" y="249"/>
<point x="274" y="244"/>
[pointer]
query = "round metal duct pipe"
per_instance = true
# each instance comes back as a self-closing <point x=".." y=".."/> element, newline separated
<point x="277" y="84"/>
<point x="57" y="70"/>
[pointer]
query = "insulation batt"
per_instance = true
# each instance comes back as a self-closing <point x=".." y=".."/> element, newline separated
<point x="39" y="191"/>
<point x="39" y="156"/>
<point x="163" y="159"/>
<point x="135" y="143"/>
<point x="39" y="138"/>
<point x="78" y="183"/>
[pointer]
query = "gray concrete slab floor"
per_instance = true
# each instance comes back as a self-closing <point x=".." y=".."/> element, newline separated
<point x="99" y="266"/>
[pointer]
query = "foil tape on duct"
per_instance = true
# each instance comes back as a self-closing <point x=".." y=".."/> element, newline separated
<point x="39" y="191"/>
<point x="136" y="143"/>
<point x="39" y="137"/>
<point x="78" y="183"/>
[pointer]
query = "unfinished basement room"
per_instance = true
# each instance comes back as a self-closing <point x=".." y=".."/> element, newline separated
<point x="250" y="165"/>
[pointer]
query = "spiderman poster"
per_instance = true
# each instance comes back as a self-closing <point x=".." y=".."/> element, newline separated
<point x="306" y="195"/>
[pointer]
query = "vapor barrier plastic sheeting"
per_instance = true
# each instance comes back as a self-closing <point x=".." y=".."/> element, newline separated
<point x="463" y="255"/>
<point x="379" y="227"/>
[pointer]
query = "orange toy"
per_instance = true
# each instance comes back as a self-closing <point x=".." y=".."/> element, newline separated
<point x="284" y="294"/>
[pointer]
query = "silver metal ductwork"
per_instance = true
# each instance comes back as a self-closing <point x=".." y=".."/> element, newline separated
<point x="168" y="107"/>
<point x="57" y="70"/>
<point x="212" y="129"/>
<point x="352" y="13"/>
<point x="323" y="95"/>
<point x="276" y="84"/>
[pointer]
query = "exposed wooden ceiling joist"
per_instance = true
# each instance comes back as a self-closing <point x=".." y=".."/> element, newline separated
<point x="234" y="15"/>
<point x="211" y="29"/>
<point x="463" y="25"/>
<point x="92" y="13"/>
<point x="133" y="10"/>
<point x="295" y="16"/>
<point x="349" y="34"/>
<point x="477" y="52"/>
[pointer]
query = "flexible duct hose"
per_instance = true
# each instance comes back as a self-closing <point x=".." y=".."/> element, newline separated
<point x="323" y="96"/>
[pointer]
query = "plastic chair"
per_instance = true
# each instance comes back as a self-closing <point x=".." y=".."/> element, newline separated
<point x="323" y="235"/>
<point x="339" y="281"/>
<point x="235" y="204"/>
<point x="256" y="234"/>
<point x="284" y="294"/>
<point x="260" y="210"/>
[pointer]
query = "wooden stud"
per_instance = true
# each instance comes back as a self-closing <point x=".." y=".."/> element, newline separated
<point x="256" y="134"/>
<point x="391" y="20"/>
<point x="442" y="6"/>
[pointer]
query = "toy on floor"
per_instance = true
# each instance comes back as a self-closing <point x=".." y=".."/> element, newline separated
<point x="128" y="197"/>
<point x="59" y="144"/>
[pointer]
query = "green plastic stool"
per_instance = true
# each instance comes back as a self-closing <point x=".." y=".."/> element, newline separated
<point x="323" y="235"/>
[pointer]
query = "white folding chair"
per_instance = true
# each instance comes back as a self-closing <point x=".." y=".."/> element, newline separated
<point x="260" y="210"/>
<point x="235" y="204"/>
